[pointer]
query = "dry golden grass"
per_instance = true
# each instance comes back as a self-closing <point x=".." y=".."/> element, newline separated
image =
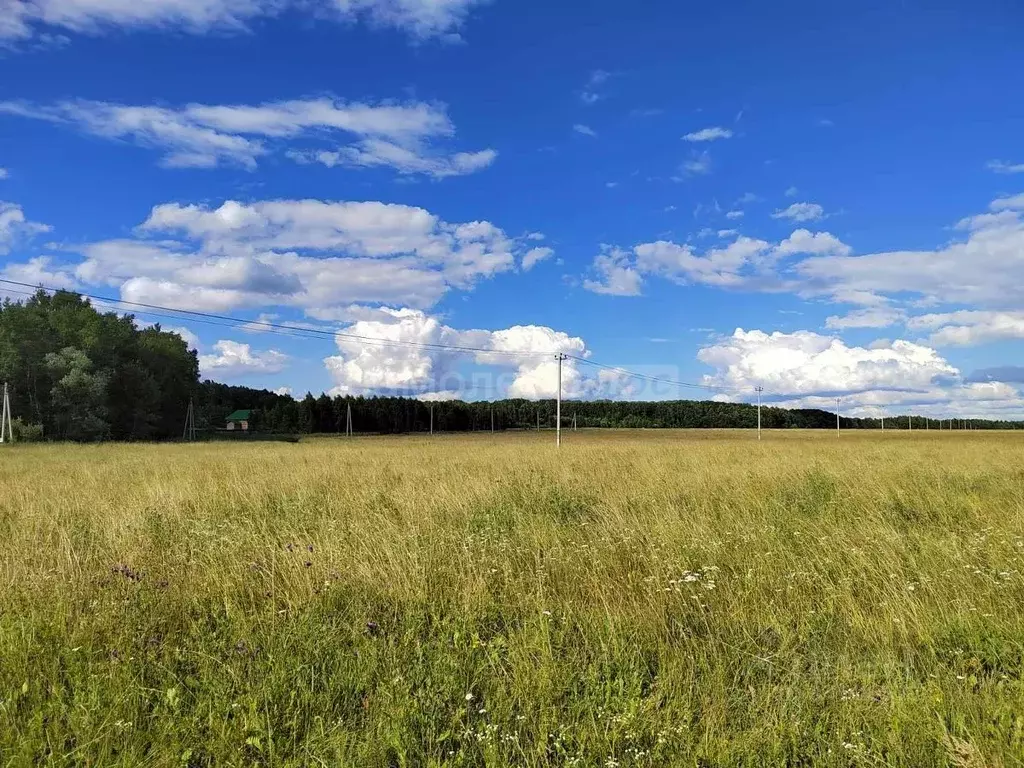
<point x="635" y="599"/>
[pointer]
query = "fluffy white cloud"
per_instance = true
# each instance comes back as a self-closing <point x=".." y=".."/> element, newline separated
<point x="320" y="257"/>
<point x="3" y="174"/>
<point x="15" y="228"/>
<point x="399" y="136"/>
<point x="40" y="271"/>
<point x="709" y="134"/>
<point x="970" y="327"/>
<point x="736" y="214"/>
<point x="232" y="358"/>
<point x="983" y="269"/>
<point x="800" y="212"/>
<point x="536" y="255"/>
<point x="409" y="356"/>
<point x="419" y="18"/>
<point x="745" y="262"/>
<point x="804" y="363"/>
<point x="614" y="274"/>
<point x="718" y="266"/>
<point x="1000" y="166"/>
<point x="586" y="130"/>
<point x="807" y="370"/>
<point x="818" y="243"/>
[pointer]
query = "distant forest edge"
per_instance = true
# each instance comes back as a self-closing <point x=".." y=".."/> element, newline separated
<point x="77" y="374"/>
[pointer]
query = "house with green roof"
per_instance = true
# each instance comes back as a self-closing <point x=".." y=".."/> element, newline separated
<point x="239" y="420"/>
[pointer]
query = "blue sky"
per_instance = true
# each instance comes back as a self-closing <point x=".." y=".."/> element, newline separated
<point x="814" y="200"/>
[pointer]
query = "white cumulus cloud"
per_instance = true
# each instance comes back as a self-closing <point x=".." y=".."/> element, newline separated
<point x="807" y="370"/>
<point x="805" y="362"/>
<point x="613" y="274"/>
<point x="410" y="357"/>
<point x="316" y="256"/>
<point x="803" y="241"/>
<point x="15" y="228"/>
<point x="231" y="358"/>
<point x="982" y="267"/>
<point x="41" y="271"/>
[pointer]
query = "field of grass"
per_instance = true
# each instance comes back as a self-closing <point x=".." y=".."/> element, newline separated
<point x="636" y="599"/>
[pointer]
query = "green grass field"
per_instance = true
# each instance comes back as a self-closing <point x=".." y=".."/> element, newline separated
<point x="636" y="599"/>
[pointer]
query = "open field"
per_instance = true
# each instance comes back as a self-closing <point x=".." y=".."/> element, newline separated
<point x="637" y="599"/>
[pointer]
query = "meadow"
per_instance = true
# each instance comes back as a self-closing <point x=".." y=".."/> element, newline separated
<point x="649" y="598"/>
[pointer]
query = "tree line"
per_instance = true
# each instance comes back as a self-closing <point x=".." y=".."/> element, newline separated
<point x="397" y="415"/>
<point x="75" y="373"/>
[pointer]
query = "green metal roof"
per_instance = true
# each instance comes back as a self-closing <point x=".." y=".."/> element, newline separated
<point x="239" y="416"/>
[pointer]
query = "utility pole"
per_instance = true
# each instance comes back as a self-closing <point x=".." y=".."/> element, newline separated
<point x="190" y="423"/>
<point x="431" y="418"/>
<point x="910" y="423"/>
<point x="348" y="421"/>
<point x="837" y="416"/>
<point x="5" y="418"/>
<point x="883" y="419"/>
<point x="538" y="419"/>
<point x="759" y="390"/>
<point x="558" y="407"/>
<point x="492" y="418"/>
<point x="574" y="422"/>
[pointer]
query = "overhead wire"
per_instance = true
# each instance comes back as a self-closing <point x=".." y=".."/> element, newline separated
<point x="270" y="327"/>
<point x="282" y="329"/>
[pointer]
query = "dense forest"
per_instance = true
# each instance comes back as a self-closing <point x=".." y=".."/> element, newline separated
<point x="74" y="373"/>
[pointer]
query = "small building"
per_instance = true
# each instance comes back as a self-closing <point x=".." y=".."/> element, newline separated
<point x="238" y="420"/>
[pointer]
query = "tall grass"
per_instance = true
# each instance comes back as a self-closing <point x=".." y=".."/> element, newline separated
<point x="636" y="599"/>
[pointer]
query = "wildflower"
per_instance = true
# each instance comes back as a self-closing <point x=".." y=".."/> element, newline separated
<point x="469" y="697"/>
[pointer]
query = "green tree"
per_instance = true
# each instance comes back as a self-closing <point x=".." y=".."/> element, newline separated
<point x="78" y="396"/>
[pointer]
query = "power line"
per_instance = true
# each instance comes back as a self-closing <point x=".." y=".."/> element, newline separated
<point x="228" y="321"/>
<point x="270" y="327"/>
